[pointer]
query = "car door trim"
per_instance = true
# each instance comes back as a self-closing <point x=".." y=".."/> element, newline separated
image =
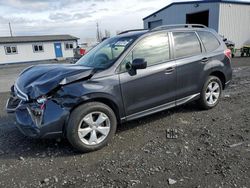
<point x="161" y="107"/>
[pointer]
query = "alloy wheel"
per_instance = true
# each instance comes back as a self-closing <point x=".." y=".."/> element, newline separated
<point x="213" y="93"/>
<point x="94" y="128"/>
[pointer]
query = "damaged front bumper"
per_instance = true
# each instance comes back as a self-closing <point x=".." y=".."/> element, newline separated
<point x="37" y="122"/>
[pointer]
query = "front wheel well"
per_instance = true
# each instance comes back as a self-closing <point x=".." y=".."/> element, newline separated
<point x="106" y="101"/>
<point x="221" y="76"/>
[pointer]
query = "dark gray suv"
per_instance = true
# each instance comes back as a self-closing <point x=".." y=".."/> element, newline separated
<point x="126" y="77"/>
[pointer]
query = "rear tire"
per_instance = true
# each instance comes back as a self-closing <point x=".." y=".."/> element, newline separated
<point x="91" y="126"/>
<point x="211" y="92"/>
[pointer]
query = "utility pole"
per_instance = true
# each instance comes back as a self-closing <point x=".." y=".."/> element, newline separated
<point x="10" y="30"/>
<point x="98" y="37"/>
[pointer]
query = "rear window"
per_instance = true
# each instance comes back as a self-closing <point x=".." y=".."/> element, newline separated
<point x="210" y="42"/>
<point x="186" y="44"/>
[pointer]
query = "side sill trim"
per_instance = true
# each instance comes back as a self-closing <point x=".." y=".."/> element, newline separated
<point x="187" y="99"/>
<point x="160" y="108"/>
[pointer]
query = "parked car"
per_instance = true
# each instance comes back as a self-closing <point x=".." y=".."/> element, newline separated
<point x="125" y="77"/>
<point x="78" y="53"/>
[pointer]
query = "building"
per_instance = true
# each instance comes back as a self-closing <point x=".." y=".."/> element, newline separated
<point x="229" y="18"/>
<point x="36" y="48"/>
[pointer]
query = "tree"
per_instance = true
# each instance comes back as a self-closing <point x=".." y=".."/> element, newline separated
<point x="107" y="33"/>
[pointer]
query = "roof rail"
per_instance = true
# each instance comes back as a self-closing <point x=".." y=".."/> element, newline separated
<point x="132" y="30"/>
<point x="179" y="26"/>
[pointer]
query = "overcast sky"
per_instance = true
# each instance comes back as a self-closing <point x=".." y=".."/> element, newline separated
<point x="75" y="17"/>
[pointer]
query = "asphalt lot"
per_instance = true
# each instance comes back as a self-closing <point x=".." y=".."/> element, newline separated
<point x="212" y="148"/>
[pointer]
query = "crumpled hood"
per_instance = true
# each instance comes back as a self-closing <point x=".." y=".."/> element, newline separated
<point x="39" y="80"/>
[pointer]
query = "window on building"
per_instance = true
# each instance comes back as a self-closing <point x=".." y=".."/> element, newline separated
<point x="154" y="49"/>
<point x="38" y="48"/>
<point x="10" y="50"/>
<point x="69" y="45"/>
<point x="209" y="40"/>
<point x="186" y="44"/>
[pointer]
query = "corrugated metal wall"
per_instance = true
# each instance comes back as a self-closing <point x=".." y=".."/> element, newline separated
<point x="176" y="14"/>
<point x="234" y="22"/>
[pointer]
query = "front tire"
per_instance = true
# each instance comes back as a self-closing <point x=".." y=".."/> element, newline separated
<point x="210" y="93"/>
<point x="91" y="126"/>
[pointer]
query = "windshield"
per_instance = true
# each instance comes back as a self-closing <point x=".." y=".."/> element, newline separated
<point x="106" y="53"/>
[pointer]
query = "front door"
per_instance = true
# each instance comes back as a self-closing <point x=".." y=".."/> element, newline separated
<point x="151" y="87"/>
<point x="58" y="49"/>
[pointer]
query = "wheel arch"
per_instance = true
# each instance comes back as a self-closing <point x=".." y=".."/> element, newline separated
<point x="220" y="75"/>
<point x="107" y="101"/>
<point x="102" y="99"/>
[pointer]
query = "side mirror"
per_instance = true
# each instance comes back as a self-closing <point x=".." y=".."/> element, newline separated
<point x="139" y="63"/>
<point x="224" y="39"/>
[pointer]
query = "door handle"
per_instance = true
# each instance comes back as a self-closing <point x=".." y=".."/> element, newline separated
<point x="169" y="70"/>
<point x="204" y="60"/>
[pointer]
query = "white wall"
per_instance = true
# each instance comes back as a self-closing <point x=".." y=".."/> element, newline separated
<point x="176" y="14"/>
<point x="26" y="53"/>
<point x="234" y="23"/>
<point x="69" y="52"/>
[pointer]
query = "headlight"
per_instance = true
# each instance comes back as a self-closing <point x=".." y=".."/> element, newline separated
<point x="42" y="100"/>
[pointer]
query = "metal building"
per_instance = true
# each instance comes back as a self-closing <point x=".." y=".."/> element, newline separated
<point x="229" y="18"/>
<point x="19" y="49"/>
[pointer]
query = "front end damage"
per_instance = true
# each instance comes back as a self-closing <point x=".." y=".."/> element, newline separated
<point x="38" y="119"/>
<point x="39" y="110"/>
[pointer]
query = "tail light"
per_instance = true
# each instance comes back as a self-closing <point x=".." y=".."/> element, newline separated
<point x="228" y="53"/>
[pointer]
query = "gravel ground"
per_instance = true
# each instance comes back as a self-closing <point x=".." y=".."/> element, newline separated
<point x="212" y="149"/>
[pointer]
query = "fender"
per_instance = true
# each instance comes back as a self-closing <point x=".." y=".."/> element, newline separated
<point x="210" y="68"/>
<point x="73" y="95"/>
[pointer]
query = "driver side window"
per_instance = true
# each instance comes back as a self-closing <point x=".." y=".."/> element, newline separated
<point x="154" y="49"/>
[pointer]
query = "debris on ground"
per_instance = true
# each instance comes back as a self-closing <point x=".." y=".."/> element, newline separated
<point x="235" y="145"/>
<point x="171" y="133"/>
<point x="171" y="181"/>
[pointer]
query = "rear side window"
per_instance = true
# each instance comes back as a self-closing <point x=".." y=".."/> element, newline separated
<point x="209" y="40"/>
<point x="186" y="44"/>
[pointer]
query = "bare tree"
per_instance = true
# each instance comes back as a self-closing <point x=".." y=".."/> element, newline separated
<point x="107" y="33"/>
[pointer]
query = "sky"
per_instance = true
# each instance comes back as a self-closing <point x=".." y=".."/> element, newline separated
<point x="75" y="17"/>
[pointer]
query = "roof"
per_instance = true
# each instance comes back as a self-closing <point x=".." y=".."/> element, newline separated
<point x="133" y="33"/>
<point x="41" y="38"/>
<point x="199" y="1"/>
<point x="176" y="27"/>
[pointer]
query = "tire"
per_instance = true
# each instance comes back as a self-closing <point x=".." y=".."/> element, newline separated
<point x="204" y="101"/>
<point x="83" y="129"/>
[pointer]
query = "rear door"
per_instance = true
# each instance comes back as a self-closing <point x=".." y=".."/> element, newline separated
<point x="154" y="85"/>
<point x="189" y="63"/>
